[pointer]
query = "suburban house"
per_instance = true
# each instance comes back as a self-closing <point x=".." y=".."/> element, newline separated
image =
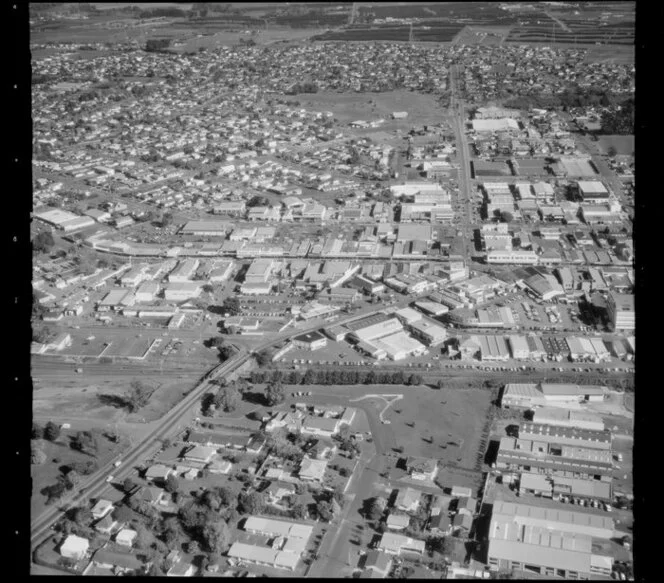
<point x="116" y="562"/>
<point x="398" y="521"/>
<point x="408" y="500"/>
<point x="377" y="562"/>
<point x="74" y="547"/>
<point x="106" y="525"/>
<point x="422" y="468"/>
<point x="312" y="470"/>
<point x="200" y="453"/>
<point x="158" y="473"/>
<point x="181" y="569"/>
<point x="277" y="491"/>
<point x="466" y="504"/>
<point x="462" y="523"/>
<point x="395" y="544"/>
<point x="440" y="524"/>
<point x="320" y="426"/>
<point x="101" y="509"/>
<point x="125" y="537"/>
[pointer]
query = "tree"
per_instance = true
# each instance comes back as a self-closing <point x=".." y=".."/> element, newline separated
<point x="611" y="151"/>
<point x="377" y="507"/>
<point x="138" y="396"/>
<point x="123" y="514"/>
<point x="324" y="510"/>
<point x="85" y="441"/>
<point x="274" y="393"/>
<point x="263" y="358"/>
<point x="37" y="431"/>
<point x="415" y="379"/>
<point x="166" y="219"/>
<point x="193" y="547"/>
<point x="506" y="217"/>
<point x="43" y="242"/>
<point x="298" y="511"/>
<point x="231" y="306"/>
<point x="258" y="201"/>
<point x="172" y="484"/>
<point x="157" y="44"/>
<point x="215" y="536"/>
<point x="37" y="455"/>
<point x="51" y="431"/>
<point x="81" y="515"/>
<point x="72" y="479"/>
<point x="252" y="503"/>
<point x="227" y="398"/>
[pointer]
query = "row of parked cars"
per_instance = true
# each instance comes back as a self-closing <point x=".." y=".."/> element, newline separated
<point x="588" y="503"/>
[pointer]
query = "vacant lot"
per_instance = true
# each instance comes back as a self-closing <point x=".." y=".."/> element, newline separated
<point x="81" y="397"/>
<point x="623" y="144"/>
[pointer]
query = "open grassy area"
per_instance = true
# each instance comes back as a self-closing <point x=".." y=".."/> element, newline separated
<point x="78" y="397"/>
<point x="623" y="144"/>
<point x="445" y="424"/>
<point x="349" y="107"/>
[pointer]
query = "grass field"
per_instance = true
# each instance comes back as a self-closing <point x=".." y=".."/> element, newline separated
<point x="347" y="107"/>
<point x="426" y="422"/>
<point x="623" y="144"/>
<point x="78" y="397"/>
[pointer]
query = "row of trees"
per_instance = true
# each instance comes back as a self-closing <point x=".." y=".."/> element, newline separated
<point x="335" y="377"/>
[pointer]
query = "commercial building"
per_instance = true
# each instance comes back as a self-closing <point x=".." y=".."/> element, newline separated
<point x="259" y="271"/>
<point x="620" y="309"/>
<point x="592" y="191"/>
<point x="591" y="438"/>
<point x="552" y="543"/>
<point x="516" y="256"/>
<point x="431" y="308"/>
<point x="518" y="346"/>
<point x="310" y="341"/>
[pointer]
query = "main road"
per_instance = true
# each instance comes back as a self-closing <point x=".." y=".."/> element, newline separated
<point x="458" y="113"/>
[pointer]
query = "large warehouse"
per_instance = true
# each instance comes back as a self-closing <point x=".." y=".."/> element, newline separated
<point x="548" y="542"/>
<point x="529" y="395"/>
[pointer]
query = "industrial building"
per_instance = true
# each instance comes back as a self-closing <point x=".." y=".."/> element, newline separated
<point x="182" y="291"/>
<point x="516" y="454"/>
<point x="568" y="418"/>
<point x="310" y="341"/>
<point x="429" y="333"/>
<point x="207" y="228"/>
<point x="529" y="395"/>
<point x="184" y="271"/>
<point x="552" y="543"/>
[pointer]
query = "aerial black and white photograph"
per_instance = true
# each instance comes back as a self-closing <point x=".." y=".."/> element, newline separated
<point x="332" y="290"/>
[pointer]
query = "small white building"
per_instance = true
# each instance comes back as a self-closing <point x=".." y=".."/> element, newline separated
<point x="126" y="537"/>
<point x="74" y="547"/>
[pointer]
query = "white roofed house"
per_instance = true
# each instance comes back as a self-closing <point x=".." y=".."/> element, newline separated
<point x="408" y="499"/>
<point x="320" y="426"/>
<point x="312" y="470"/>
<point x="396" y="544"/>
<point x="74" y="547"/>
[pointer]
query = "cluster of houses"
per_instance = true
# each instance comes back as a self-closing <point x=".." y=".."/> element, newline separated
<point x="534" y="70"/>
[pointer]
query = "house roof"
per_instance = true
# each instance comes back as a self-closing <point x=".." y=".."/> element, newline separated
<point x="124" y="560"/>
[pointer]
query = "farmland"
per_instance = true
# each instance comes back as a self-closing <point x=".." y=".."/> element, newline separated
<point x="581" y="30"/>
<point x="475" y="13"/>
<point x="431" y="32"/>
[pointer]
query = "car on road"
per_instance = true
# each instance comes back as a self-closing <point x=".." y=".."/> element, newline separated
<point x="109" y="479"/>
